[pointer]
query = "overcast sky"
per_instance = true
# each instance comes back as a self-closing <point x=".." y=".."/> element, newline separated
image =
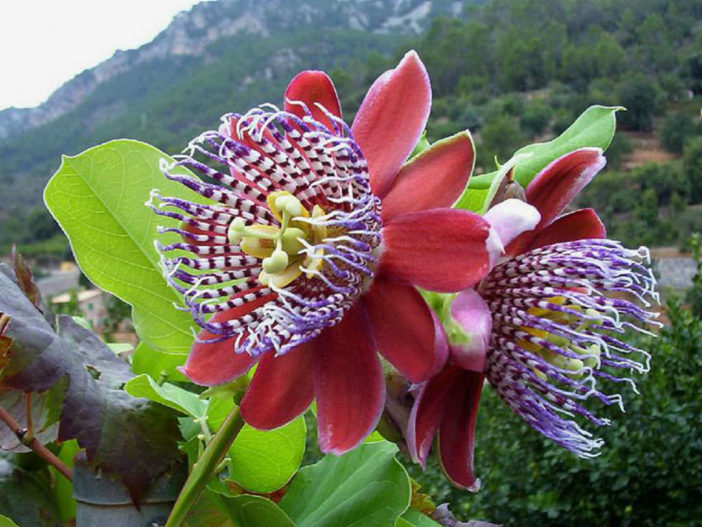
<point x="44" y="43"/>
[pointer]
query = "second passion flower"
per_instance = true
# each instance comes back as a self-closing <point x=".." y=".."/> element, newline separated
<point x="304" y="255"/>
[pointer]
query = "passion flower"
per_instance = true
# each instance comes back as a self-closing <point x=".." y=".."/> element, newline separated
<point x="305" y="255"/>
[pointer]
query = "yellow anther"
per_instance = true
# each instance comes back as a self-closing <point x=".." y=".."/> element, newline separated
<point x="282" y="248"/>
<point x="565" y="363"/>
<point x="276" y="262"/>
<point x="313" y="262"/>
<point x="592" y="355"/>
<point x="291" y="240"/>
<point x="236" y="231"/>
<point x="280" y="279"/>
<point x="282" y="201"/>
<point x="290" y="204"/>
<point x="259" y="241"/>
<point x="553" y="358"/>
<point x="319" y="232"/>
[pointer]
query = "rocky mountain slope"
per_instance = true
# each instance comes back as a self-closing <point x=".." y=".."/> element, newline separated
<point x="193" y="32"/>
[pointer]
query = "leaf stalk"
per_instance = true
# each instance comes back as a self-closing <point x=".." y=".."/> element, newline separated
<point x="32" y="442"/>
<point x="205" y="467"/>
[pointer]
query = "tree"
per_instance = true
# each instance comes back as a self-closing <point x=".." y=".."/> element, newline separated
<point x="676" y="128"/>
<point x="639" y="96"/>
<point x="692" y="163"/>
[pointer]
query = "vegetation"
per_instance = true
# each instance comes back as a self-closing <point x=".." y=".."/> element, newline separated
<point x="516" y="71"/>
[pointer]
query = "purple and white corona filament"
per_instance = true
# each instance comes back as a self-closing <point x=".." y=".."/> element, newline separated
<point x="292" y="229"/>
<point x="558" y="316"/>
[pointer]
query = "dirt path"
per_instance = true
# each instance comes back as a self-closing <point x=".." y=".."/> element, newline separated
<point x="646" y="148"/>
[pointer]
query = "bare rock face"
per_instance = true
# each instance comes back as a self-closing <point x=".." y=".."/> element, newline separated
<point x="191" y="32"/>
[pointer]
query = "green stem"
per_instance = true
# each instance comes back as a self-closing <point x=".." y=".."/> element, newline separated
<point x="205" y="468"/>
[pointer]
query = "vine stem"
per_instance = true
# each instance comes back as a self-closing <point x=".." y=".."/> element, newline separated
<point x="35" y="444"/>
<point x="205" y="467"/>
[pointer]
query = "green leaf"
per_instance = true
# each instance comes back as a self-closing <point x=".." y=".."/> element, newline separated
<point x="260" y="461"/>
<point x="421" y="145"/>
<point x="63" y="489"/>
<point x="120" y="348"/>
<point x="366" y="487"/>
<point x="26" y="495"/>
<point x="473" y="199"/>
<point x="158" y="364"/>
<point x="7" y="522"/>
<point x="414" y="518"/>
<point x="240" y="511"/>
<point x="594" y="128"/>
<point x="168" y="395"/>
<point x="98" y="197"/>
<point x="218" y="408"/>
<point x="478" y="199"/>
<point x="254" y="511"/>
<point x="264" y="461"/>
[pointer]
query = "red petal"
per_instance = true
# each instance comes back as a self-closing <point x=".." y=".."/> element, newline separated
<point x="435" y="178"/>
<point x="348" y="383"/>
<point x="391" y="119"/>
<point x="578" y="225"/>
<point x="438" y="249"/>
<point x="428" y="411"/>
<point x="405" y="330"/>
<point x="457" y="431"/>
<point x="557" y="184"/>
<point x="216" y="362"/>
<point x="311" y="87"/>
<point x="282" y="388"/>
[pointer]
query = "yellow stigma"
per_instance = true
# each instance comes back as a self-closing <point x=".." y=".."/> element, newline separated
<point x="590" y="355"/>
<point x="281" y="249"/>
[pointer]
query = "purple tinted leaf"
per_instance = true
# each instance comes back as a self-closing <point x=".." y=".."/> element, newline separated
<point x="129" y="436"/>
<point x="46" y="409"/>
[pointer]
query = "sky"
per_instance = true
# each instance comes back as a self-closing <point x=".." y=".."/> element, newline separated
<point x="44" y="43"/>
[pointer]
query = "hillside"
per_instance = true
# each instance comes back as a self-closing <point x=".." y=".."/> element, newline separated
<point x="192" y="32"/>
<point x="216" y="57"/>
<point x="511" y="71"/>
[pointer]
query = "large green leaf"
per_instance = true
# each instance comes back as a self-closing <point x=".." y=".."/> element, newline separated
<point x="260" y="461"/>
<point x="240" y="511"/>
<point x="366" y="487"/>
<point x="98" y="199"/>
<point x="264" y="461"/>
<point x="594" y="128"/>
<point x="167" y="395"/>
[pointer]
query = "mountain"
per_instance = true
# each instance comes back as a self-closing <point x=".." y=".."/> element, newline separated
<point x="192" y="32"/>
<point x="219" y="56"/>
